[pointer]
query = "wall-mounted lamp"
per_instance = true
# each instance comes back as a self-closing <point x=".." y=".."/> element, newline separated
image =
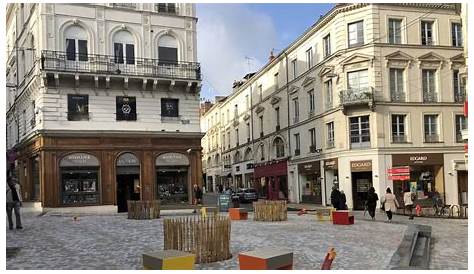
<point x="347" y="177"/>
<point x="376" y="176"/>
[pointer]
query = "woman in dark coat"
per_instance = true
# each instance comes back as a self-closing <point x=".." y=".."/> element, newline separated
<point x="335" y="198"/>
<point x="342" y="201"/>
<point x="372" y="199"/>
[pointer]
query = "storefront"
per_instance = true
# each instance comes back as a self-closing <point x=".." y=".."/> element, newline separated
<point x="330" y="177"/>
<point x="310" y="180"/>
<point x="426" y="176"/>
<point x="172" y="178"/>
<point x="361" y="174"/>
<point x="272" y="180"/>
<point x="128" y="180"/>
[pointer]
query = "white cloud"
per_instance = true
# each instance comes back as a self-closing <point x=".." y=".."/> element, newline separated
<point x="226" y="34"/>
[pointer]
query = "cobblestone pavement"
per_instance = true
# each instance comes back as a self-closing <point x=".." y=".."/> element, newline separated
<point x="114" y="242"/>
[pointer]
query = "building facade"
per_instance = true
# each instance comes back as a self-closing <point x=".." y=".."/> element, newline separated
<point x="103" y="102"/>
<point x="370" y="95"/>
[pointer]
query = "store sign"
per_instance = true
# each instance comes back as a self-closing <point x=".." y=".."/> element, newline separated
<point x="128" y="159"/>
<point x="172" y="159"/>
<point x="361" y="165"/>
<point x="79" y="159"/>
<point x="418" y="159"/>
<point x="330" y="164"/>
<point x="309" y="168"/>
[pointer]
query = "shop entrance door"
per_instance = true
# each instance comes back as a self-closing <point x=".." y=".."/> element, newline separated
<point x="462" y="187"/>
<point x="127" y="189"/>
<point x="361" y="182"/>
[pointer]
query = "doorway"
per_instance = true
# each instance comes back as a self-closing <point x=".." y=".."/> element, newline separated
<point x="462" y="187"/>
<point x="128" y="188"/>
<point x="361" y="182"/>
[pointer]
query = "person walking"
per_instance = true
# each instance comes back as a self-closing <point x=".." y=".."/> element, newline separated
<point x="335" y="197"/>
<point x="371" y="202"/>
<point x="14" y="202"/>
<point x="390" y="204"/>
<point x="342" y="201"/>
<point x="198" y="195"/>
<point x="408" y="198"/>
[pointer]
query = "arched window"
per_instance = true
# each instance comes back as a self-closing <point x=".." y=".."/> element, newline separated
<point x="168" y="49"/>
<point x="124" y="47"/>
<point x="76" y="43"/>
<point x="279" y="147"/>
<point x="248" y="154"/>
<point x="237" y="157"/>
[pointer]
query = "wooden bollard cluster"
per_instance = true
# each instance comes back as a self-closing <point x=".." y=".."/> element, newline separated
<point x="207" y="238"/>
<point x="270" y="211"/>
<point x="143" y="209"/>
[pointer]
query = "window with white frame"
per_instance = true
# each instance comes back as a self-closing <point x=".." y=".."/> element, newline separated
<point x="124" y="47"/>
<point x="247" y="101"/>
<point x="262" y="152"/>
<point x="327" y="45"/>
<point x="356" y="33"/>
<point x="461" y="124"/>
<point x="237" y="137"/>
<point x="260" y="92"/>
<point x="261" y="125"/>
<point x="397" y="93"/>
<point x="166" y="8"/>
<point x="358" y="81"/>
<point x="76" y="44"/>
<point x="398" y="128"/>
<point x="394" y="31"/>
<point x="329" y="93"/>
<point x="275" y="81"/>
<point x="236" y="111"/>
<point x="359" y="131"/>
<point x="294" y="67"/>
<point x="330" y="132"/>
<point x="228" y="139"/>
<point x="309" y="57"/>
<point x="459" y="89"/>
<point x="312" y="138"/>
<point x="277" y="115"/>
<point x="167" y="49"/>
<point x="248" y="131"/>
<point x="297" y="143"/>
<point x="429" y="85"/>
<point x="456" y="34"/>
<point x="296" y="109"/>
<point x="279" y="147"/>
<point x="311" y="101"/>
<point x="431" y="128"/>
<point x="427" y="33"/>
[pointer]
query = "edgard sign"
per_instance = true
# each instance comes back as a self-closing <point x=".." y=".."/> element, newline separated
<point x="417" y="159"/>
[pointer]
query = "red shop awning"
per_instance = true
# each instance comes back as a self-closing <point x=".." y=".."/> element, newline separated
<point x="269" y="169"/>
<point x="401" y="173"/>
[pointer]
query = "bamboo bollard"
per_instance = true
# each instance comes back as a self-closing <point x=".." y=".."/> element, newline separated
<point x="270" y="211"/>
<point x="143" y="209"/>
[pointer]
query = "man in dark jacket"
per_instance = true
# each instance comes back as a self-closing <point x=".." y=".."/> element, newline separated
<point x="371" y="202"/>
<point x="342" y="201"/>
<point x="335" y="197"/>
<point x="13" y="198"/>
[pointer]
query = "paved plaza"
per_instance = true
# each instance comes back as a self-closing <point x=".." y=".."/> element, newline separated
<point x="114" y="242"/>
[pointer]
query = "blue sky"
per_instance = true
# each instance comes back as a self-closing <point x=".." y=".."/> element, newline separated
<point x="236" y="38"/>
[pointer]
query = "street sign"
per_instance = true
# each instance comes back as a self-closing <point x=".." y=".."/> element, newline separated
<point x="223" y="202"/>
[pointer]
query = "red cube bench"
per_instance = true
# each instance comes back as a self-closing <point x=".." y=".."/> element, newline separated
<point x="266" y="259"/>
<point x="238" y="213"/>
<point x="342" y="217"/>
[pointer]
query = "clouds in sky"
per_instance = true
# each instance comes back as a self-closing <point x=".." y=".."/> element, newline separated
<point x="227" y="33"/>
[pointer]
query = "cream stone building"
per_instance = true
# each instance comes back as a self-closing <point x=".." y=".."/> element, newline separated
<point x="370" y="95"/>
<point x="103" y="102"/>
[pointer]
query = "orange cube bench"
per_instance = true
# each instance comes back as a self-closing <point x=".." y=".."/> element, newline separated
<point x="238" y="213"/>
<point x="342" y="217"/>
<point x="266" y="259"/>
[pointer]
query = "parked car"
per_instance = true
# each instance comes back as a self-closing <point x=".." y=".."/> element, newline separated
<point x="247" y="195"/>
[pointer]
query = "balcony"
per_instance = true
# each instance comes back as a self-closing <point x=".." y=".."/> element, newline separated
<point x="431" y="138"/>
<point x="398" y="97"/>
<point x="430" y="97"/>
<point x="166" y="8"/>
<point x="460" y="97"/>
<point x="330" y="144"/>
<point x="56" y="61"/>
<point x="124" y="5"/>
<point x="399" y="138"/>
<point x="357" y="97"/>
<point x="297" y="152"/>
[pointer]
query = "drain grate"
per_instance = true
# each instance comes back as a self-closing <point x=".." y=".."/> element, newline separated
<point x="12" y="252"/>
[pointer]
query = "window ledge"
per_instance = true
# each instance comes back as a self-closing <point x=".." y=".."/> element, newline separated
<point x="437" y="142"/>
<point x="402" y="143"/>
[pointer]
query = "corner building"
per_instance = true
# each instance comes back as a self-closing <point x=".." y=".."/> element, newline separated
<point x="103" y="103"/>
<point x="368" y="88"/>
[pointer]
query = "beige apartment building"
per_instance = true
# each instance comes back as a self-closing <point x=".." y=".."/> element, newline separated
<point x="370" y="95"/>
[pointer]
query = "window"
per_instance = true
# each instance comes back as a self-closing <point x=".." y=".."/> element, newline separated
<point x="275" y="80"/>
<point x="262" y="153"/>
<point x="124" y="48"/>
<point x="311" y="101"/>
<point x="294" y="66"/>
<point x="312" y="136"/>
<point x="427" y="33"/>
<point x="80" y="186"/>
<point x="261" y="125"/>
<point x="356" y="33"/>
<point x="279" y="148"/>
<point x="228" y="116"/>
<point x="327" y="45"/>
<point x="459" y="89"/>
<point x="126" y="108"/>
<point x="167" y="49"/>
<point x="24" y="121"/>
<point x="228" y="140"/>
<point x="396" y="85"/>
<point x="359" y="131"/>
<point x="248" y="154"/>
<point x="329" y="95"/>
<point x="237" y="157"/>
<point x="358" y="81"/>
<point x="124" y="5"/>
<point x="330" y="131"/>
<point x="237" y="137"/>
<point x="166" y="8"/>
<point x="77" y="107"/>
<point x="296" y="105"/>
<point x="260" y="92"/>
<point x="169" y="107"/>
<point x="236" y="111"/>
<point x="456" y="34"/>
<point x="248" y="132"/>
<point x="429" y="86"/>
<point x="461" y="124"/>
<point x="76" y="44"/>
<point x="309" y="57"/>
<point x="247" y="101"/>
<point x="398" y="128"/>
<point x="277" y="114"/>
<point x="394" y="31"/>
<point x="431" y="128"/>
<point x="33" y="114"/>
<point x="223" y="140"/>
<point x="297" y="142"/>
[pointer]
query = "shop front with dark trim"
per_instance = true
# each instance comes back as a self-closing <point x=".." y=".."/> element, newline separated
<point x="271" y="180"/>
<point x="310" y="178"/>
<point x="330" y="177"/>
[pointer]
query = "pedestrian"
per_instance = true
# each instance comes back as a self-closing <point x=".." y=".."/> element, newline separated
<point x="198" y="195"/>
<point x="371" y="202"/>
<point x="342" y="201"/>
<point x="390" y="204"/>
<point x="335" y="197"/>
<point x="14" y="202"/>
<point x="408" y="198"/>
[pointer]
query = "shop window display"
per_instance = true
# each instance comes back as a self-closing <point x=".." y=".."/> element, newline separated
<point x="80" y="187"/>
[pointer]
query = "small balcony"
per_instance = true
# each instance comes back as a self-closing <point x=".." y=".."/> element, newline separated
<point x="357" y="97"/>
<point x="460" y="97"/>
<point x="399" y="138"/>
<point x="330" y="144"/>
<point x="431" y="138"/>
<point x="297" y="152"/>
<point x="56" y="61"/>
<point x="430" y="97"/>
<point x="398" y="97"/>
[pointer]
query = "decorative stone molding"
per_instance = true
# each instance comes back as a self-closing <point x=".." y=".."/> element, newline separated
<point x="246" y="117"/>
<point x="357" y="60"/>
<point x="259" y="109"/>
<point x="307" y="81"/>
<point x="325" y="70"/>
<point x="275" y="100"/>
<point x="293" y="89"/>
<point x="430" y="60"/>
<point x="398" y="59"/>
<point x="457" y="61"/>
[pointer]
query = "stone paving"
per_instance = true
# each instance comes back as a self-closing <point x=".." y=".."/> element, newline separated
<point x="114" y="242"/>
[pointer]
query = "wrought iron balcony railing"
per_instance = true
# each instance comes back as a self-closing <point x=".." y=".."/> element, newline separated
<point x="356" y="96"/>
<point x="110" y="65"/>
<point x="399" y="138"/>
<point x="430" y="97"/>
<point x="398" y="97"/>
<point x="431" y="138"/>
<point x="460" y="97"/>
